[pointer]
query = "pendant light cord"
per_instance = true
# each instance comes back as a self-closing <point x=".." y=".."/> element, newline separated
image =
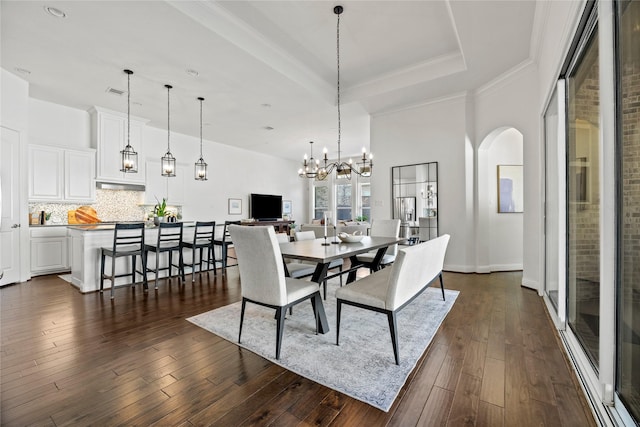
<point x="338" y="84"/>
<point x="201" y="128"/>
<point x="128" y="109"/>
<point x="168" y="119"/>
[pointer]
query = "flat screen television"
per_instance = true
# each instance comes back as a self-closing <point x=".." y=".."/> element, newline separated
<point x="266" y="207"/>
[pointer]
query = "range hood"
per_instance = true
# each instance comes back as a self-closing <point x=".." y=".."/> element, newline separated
<point x="118" y="186"/>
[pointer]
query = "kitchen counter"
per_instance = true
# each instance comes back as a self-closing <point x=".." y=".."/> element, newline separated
<point x="86" y="241"/>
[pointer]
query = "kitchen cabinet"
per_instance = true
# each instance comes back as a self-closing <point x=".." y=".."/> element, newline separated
<point x="46" y="173"/>
<point x="158" y="186"/>
<point x="109" y="137"/>
<point x="49" y="250"/>
<point x="79" y="175"/>
<point x="61" y="175"/>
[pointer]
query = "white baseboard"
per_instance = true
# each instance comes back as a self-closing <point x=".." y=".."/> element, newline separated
<point x="530" y="283"/>
<point x="506" y="267"/>
<point x="458" y="268"/>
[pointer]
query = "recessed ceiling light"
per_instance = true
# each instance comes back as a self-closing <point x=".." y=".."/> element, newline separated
<point x="268" y="128"/>
<point x="22" y="71"/>
<point x="193" y="73"/>
<point x="55" y="12"/>
<point x="266" y="105"/>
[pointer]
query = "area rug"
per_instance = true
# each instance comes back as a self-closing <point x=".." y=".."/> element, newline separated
<point x="363" y="366"/>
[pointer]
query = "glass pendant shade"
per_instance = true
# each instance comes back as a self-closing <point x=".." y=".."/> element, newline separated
<point x="168" y="162"/>
<point x="129" y="160"/>
<point x="128" y="156"/>
<point x="200" y="168"/>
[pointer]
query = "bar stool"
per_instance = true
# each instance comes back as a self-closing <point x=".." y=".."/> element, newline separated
<point x="224" y="244"/>
<point x="128" y="240"/>
<point x="169" y="240"/>
<point x="202" y="239"/>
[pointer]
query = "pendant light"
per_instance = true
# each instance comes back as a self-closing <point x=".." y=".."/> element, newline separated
<point x="168" y="162"/>
<point x="343" y="169"/>
<point x="128" y="156"/>
<point x="200" y="166"/>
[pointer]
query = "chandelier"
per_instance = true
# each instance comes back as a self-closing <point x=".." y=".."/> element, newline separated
<point x="201" y="165"/>
<point x="168" y="161"/>
<point x="128" y="156"/>
<point x="311" y="167"/>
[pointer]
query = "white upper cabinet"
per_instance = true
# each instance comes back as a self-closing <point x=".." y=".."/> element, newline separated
<point x="79" y="176"/>
<point x="109" y="137"/>
<point x="61" y="175"/>
<point x="46" y="173"/>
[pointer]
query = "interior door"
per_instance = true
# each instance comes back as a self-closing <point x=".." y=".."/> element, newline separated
<point x="9" y="207"/>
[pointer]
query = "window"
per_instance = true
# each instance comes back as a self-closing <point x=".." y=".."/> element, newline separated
<point x="628" y="340"/>
<point x="365" y="201"/>
<point x="320" y="200"/>
<point x="343" y="201"/>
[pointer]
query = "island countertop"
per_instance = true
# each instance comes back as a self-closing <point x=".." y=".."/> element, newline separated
<point x="86" y="241"/>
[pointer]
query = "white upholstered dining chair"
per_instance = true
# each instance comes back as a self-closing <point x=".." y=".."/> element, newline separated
<point x="262" y="278"/>
<point x="382" y="228"/>
<point x="295" y="269"/>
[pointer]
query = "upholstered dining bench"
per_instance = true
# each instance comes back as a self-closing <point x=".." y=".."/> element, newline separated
<point x="391" y="289"/>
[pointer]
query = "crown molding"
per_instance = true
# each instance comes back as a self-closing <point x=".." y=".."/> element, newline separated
<point x="217" y="19"/>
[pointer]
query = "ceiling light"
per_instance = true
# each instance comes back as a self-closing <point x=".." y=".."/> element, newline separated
<point x="343" y="169"/>
<point x="168" y="162"/>
<point x="201" y="165"/>
<point x="265" y="105"/>
<point x="55" y="12"/>
<point x="129" y="158"/>
<point x="193" y="73"/>
<point x="268" y="128"/>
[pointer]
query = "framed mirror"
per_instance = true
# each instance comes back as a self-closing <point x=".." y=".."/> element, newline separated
<point x="414" y="194"/>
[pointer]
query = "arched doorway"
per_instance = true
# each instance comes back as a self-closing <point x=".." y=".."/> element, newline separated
<point x="499" y="240"/>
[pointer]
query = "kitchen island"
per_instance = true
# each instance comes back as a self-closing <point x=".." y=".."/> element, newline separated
<point x="86" y="241"/>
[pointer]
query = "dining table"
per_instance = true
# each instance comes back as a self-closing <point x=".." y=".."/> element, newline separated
<point x="323" y="251"/>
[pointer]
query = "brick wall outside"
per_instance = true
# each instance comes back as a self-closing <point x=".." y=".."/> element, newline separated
<point x="631" y="174"/>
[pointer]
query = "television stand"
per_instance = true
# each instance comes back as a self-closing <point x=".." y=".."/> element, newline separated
<point x="280" y="226"/>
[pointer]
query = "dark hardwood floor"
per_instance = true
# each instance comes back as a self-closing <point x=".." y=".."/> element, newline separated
<point x="73" y="359"/>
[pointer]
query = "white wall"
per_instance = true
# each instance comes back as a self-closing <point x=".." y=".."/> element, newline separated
<point x="233" y="173"/>
<point x="434" y="132"/>
<point x="54" y="124"/>
<point x="506" y="229"/>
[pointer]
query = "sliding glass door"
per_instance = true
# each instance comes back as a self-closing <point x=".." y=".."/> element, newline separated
<point x="583" y="196"/>
<point x="554" y="183"/>
<point x="628" y="348"/>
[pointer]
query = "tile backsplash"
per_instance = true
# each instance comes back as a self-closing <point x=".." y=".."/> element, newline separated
<point x="111" y="205"/>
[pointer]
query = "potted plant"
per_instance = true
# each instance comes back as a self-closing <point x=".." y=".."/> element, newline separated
<point x="159" y="211"/>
